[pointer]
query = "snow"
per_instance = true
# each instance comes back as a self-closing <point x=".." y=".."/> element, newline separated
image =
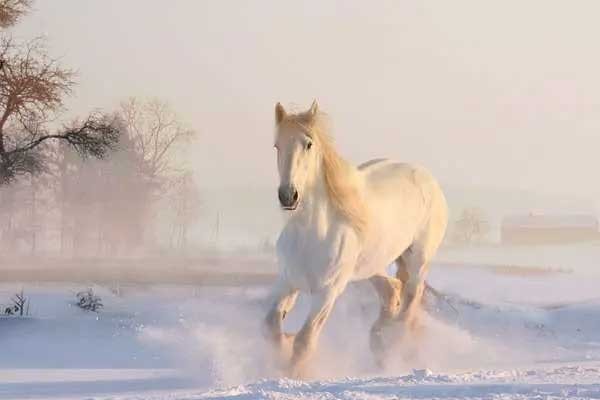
<point x="492" y="336"/>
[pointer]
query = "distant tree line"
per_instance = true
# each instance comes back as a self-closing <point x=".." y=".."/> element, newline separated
<point x="138" y="195"/>
<point x="94" y="185"/>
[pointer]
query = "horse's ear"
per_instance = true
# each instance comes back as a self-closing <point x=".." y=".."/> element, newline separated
<point x="314" y="108"/>
<point x="279" y="113"/>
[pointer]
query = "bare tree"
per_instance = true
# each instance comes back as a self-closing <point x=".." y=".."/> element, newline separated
<point x="12" y="10"/>
<point x="185" y="207"/>
<point x="20" y="305"/>
<point x="472" y="226"/>
<point x="33" y="87"/>
<point x="155" y="131"/>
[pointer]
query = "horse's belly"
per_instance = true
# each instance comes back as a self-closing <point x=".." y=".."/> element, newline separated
<point x="379" y="254"/>
<point x="394" y="223"/>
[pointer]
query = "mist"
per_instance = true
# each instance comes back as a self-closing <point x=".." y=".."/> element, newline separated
<point x="471" y="90"/>
<point x="175" y="228"/>
<point x="497" y="97"/>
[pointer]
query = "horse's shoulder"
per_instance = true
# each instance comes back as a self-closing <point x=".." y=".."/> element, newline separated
<point x="389" y="173"/>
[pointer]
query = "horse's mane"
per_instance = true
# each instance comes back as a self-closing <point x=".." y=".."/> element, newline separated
<point x="338" y="174"/>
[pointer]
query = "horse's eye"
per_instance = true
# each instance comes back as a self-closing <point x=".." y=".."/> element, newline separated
<point x="308" y="145"/>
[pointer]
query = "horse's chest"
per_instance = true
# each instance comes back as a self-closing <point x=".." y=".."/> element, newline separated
<point x="309" y="262"/>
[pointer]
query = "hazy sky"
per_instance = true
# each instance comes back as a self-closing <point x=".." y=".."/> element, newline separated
<point x="503" y="93"/>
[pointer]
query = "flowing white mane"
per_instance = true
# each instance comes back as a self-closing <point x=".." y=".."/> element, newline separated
<point x="337" y="172"/>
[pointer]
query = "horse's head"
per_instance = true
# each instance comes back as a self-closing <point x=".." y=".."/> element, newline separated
<point x="297" y="154"/>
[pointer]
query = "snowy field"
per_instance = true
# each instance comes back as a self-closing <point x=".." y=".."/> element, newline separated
<point x="495" y="336"/>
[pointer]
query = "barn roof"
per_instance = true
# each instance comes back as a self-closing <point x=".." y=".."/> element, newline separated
<point x="542" y="221"/>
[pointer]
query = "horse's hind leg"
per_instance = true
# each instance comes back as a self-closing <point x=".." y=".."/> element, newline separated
<point x="413" y="264"/>
<point x="412" y="271"/>
<point x="389" y="291"/>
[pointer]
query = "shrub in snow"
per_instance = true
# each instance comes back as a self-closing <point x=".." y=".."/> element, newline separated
<point x="89" y="301"/>
<point x="19" y="306"/>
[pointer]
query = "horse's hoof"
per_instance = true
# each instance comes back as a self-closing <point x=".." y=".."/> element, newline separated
<point x="297" y="370"/>
<point x="282" y="352"/>
<point x="297" y="374"/>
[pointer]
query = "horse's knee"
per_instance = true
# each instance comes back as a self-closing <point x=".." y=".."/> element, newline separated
<point x="411" y="302"/>
<point x="389" y="291"/>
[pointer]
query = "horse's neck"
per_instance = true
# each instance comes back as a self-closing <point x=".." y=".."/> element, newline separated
<point x="318" y="211"/>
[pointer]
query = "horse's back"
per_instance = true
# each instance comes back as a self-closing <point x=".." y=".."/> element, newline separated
<point x="405" y="184"/>
<point x="376" y="162"/>
<point x="391" y="174"/>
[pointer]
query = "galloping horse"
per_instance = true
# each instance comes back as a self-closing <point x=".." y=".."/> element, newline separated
<point x="346" y="224"/>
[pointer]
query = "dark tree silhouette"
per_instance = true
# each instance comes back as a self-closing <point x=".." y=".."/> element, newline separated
<point x="33" y="87"/>
<point x="12" y="10"/>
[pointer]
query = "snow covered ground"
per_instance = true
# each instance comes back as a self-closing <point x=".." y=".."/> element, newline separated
<point x="495" y="335"/>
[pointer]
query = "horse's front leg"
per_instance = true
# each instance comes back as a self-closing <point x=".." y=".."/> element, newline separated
<point x="306" y="339"/>
<point x="283" y="300"/>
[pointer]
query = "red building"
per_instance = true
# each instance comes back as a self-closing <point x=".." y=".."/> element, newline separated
<point x="548" y="229"/>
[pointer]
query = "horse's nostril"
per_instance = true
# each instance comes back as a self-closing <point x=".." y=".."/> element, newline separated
<point x="288" y="196"/>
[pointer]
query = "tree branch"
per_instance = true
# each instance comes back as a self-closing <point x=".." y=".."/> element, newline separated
<point x="12" y="10"/>
<point x="95" y="137"/>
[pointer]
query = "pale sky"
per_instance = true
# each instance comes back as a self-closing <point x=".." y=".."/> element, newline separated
<point x="503" y="94"/>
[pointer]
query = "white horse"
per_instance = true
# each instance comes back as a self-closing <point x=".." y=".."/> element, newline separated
<point x="345" y="224"/>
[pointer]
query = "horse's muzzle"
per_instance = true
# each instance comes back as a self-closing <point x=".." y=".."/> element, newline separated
<point x="288" y="197"/>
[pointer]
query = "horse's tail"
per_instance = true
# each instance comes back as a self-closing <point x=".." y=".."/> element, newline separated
<point x="435" y="299"/>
